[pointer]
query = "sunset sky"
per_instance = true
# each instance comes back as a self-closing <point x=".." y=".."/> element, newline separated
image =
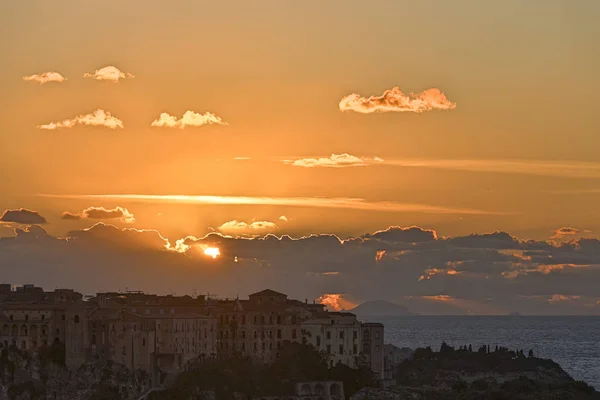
<point x="303" y="118"/>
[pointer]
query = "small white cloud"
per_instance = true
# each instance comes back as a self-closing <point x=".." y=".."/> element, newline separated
<point x="109" y="73"/>
<point x="96" y="118"/>
<point x="189" y="118"/>
<point x="283" y="218"/>
<point x="45" y="77"/>
<point x="334" y="161"/>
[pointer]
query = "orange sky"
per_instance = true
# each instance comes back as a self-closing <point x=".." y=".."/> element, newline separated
<point x="500" y="132"/>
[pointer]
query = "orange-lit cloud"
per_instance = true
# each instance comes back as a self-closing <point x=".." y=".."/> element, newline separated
<point x="102" y="213"/>
<point x="379" y="255"/>
<point x="96" y="118"/>
<point x="439" y="297"/>
<point x="283" y="218"/>
<point x="109" y="73"/>
<point x="235" y="226"/>
<point x="557" y="298"/>
<point x="395" y="101"/>
<point x="45" y="77"/>
<point x="320" y="202"/>
<point x="336" y="301"/>
<point x="429" y="272"/>
<point x="334" y="161"/>
<point x="565" y="231"/>
<point x="189" y="118"/>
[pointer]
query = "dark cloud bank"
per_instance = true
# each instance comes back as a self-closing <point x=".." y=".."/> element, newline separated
<point x="480" y="273"/>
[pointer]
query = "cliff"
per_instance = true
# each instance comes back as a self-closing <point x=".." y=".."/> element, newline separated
<point x="25" y="376"/>
<point x="482" y="374"/>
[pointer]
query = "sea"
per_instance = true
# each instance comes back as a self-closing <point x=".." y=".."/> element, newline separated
<point x="573" y="341"/>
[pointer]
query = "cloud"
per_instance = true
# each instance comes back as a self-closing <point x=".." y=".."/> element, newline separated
<point x="319" y="202"/>
<point x="22" y="216"/>
<point x="96" y="118"/>
<point x="239" y="227"/>
<point x="565" y="231"/>
<point x="334" y="161"/>
<point x="395" y="101"/>
<point x="479" y="273"/>
<point x="552" y="168"/>
<point x="283" y="218"/>
<point x="109" y="73"/>
<point x="189" y="118"/>
<point x="336" y="301"/>
<point x="102" y="213"/>
<point x="45" y="77"/>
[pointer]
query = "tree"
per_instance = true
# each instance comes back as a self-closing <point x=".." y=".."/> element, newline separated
<point x="530" y="353"/>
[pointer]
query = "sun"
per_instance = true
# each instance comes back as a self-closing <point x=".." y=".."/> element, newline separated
<point x="212" y="252"/>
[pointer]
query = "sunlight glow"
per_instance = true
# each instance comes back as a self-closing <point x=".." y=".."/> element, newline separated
<point x="212" y="252"/>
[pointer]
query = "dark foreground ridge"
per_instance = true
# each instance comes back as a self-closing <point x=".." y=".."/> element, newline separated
<point x="478" y="374"/>
<point x="464" y="373"/>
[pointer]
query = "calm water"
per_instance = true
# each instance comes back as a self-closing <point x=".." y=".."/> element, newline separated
<point x="573" y="342"/>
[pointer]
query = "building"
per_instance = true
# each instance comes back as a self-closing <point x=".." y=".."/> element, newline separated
<point x="338" y="334"/>
<point x="161" y="334"/>
<point x="372" y="345"/>
<point x="392" y="357"/>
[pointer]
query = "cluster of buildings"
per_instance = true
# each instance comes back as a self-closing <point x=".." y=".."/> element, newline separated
<point x="160" y="334"/>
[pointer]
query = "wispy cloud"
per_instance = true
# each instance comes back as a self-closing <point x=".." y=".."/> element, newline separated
<point x="109" y="73"/>
<point x="334" y="161"/>
<point x="529" y="167"/>
<point x="101" y="213"/>
<point x="394" y="100"/>
<point x="236" y="226"/>
<point x="45" y="77"/>
<point x="189" y="118"/>
<point x="96" y="118"/>
<point x="319" y="202"/>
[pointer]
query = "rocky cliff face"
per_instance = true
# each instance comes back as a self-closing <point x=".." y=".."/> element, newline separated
<point x="26" y="376"/>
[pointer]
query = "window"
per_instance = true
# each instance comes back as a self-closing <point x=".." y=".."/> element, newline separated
<point x="318" y="341"/>
<point x="341" y="349"/>
<point x="263" y="345"/>
<point x="43" y="317"/>
<point x="243" y="346"/>
<point x="278" y="320"/>
<point x="143" y="341"/>
<point x="376" y="335"/>
<point x="243" y="334"/>
<point x="262" y="319"/>
<point x="377" y="348"/>
<point x="341" y="334"/>
<point x="124" y="351"/>
<point x="27" y="318"/>
<point x="354" y="349"/>
<point x="255" y="346"/>
<point x="255" y="319"/>
<point x="328" y="334"/>
<point x="255" y="334"/>
<point x="293" y="334"/>
<point x="11" y="317"/>
<point x="355" y="335"/>
<point x="93" y="340"/>
<point x="329" y="348"/>
<point x="63" y="317"/>
<point x="278" y="333"/>
<point x="270" y="319"/>
<point x="76" y="319"/>
<point x="243" y="320"/>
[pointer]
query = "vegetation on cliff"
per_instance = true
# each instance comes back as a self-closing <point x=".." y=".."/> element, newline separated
<point x="484" y="373"/>
<point x="226" y="376"/>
